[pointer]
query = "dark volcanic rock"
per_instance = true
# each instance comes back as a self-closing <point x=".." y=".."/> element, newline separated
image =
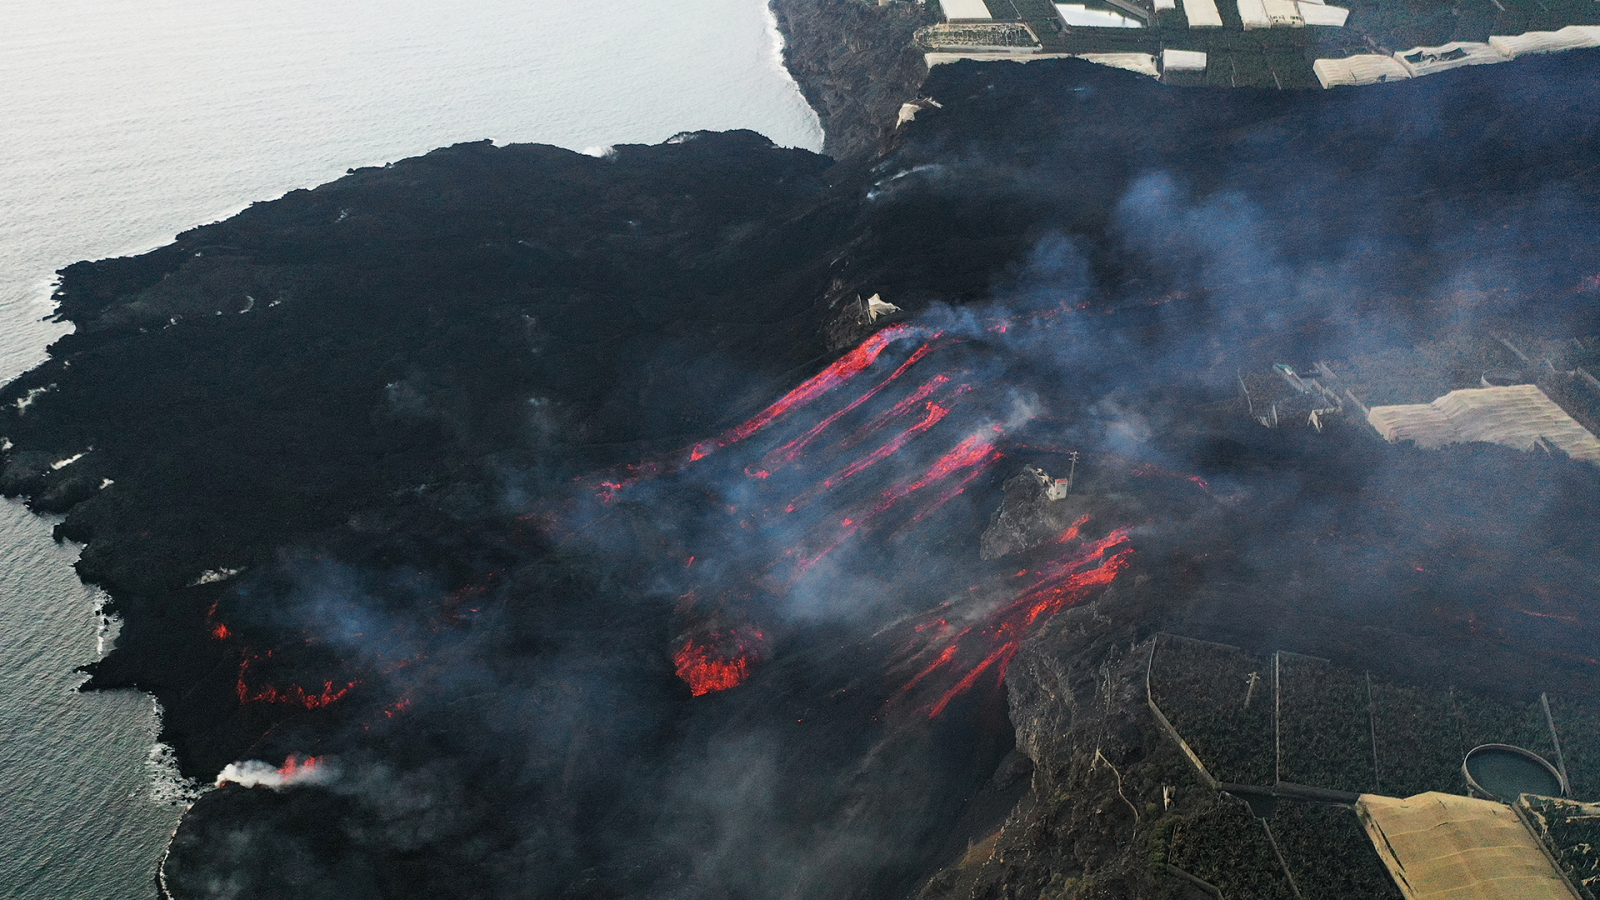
<point x="1028" y="516"/>
<point x="381" y="337"/>
<point x="389" y="400"/>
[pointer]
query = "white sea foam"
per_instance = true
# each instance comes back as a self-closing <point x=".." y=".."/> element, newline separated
<point x="168" y="787"/>
<point x="60" y="464"/>
<point x="26" y="400"/>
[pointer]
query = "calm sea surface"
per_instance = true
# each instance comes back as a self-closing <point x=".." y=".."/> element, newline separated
<point x="122" y="123"/>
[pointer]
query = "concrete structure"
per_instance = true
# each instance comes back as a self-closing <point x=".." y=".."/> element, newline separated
<point x="1183" y="61"/>
<point x="1518" y="416"/>
<point x="1363" y="68"/>
<point x="1460" y="848"/>
<point x="1202" y="13"/>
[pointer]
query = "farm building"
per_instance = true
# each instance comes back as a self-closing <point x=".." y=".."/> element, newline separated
<point x="1572" y="37"/>
<point x="1289" y="13"/>
<point x="1519" y="416"/>
<point x="959" y="10"/>
<point x="1202" y="14"/>
<point x="1363" y="68"/>
<point x="1428" y="60"/>
<point x="1183" y="61"/>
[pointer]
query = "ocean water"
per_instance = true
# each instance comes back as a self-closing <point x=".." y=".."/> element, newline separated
<point x="122" y="123"/>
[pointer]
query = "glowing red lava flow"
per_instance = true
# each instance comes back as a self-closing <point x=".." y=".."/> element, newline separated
<point x="721" y="660"/>
<point x="935" y="414"/>
<point x="789" y="452"/>
<point x="1000" y="636"/>
<point x="843" y="369"/>
<point x="295" y="767"/>
<point x="975" y="451"/>
<point x="293" y="694"/>
<point x="894" y="412"/>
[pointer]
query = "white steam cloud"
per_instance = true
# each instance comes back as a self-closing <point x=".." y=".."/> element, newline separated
<point x="294" y="771"/>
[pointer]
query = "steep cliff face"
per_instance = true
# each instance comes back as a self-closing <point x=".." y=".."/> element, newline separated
<point x="855" y="64"/>
<point x="1102" y="776"/>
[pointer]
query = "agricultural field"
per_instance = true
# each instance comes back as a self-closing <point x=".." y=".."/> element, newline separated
<point x="1578" y="725"/>
<point x="1228" y="847"/>
<point x="1282" y="57"/>
<point x="1206" y="691"/>
<point x="1485" y="721"/>
<point x="1419" y="741"/>
<point x="1324" y="727"/>
<point x="1329" y="854"/>
<point x="1572" y="832"/>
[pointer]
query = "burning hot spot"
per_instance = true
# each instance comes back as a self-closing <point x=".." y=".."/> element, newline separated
<point x="988" y="645"/>
<point x="296" y="770"/>
<point x="717" y="660"/>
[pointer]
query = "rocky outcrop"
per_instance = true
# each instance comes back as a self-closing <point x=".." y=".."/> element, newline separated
<point x="1035" y="510"/>
<point x="1102" y="773"/>
<point x="855" y="63"/>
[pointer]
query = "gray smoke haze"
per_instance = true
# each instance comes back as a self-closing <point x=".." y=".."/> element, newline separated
<point x="519" y="727"/>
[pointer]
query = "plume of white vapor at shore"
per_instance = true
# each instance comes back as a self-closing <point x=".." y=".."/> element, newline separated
<point x="294" y="771"/>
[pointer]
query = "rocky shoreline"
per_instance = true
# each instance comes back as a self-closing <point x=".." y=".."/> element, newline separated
<point x="856" y="64"/>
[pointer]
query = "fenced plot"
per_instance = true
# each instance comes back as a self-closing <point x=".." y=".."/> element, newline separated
<point x="1486" y="721"/>
<point x="1219" y="699"/>
<point x="1324" y="727"/>
<point x="1419" y="741"/>
<point x="1227" y="847"/>
<point x="1572" y="832"/>
<point x="1578" y="726"/>
<point x="1328" y="853"/>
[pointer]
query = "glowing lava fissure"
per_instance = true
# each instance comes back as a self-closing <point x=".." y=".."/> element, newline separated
<point x="296" y="770"/>
<point x="789" y="452"/>
<point x="293" y="695"/>
<point x="840" y="371"/>
<point x="717" y="660"/>
<point x="997" y="638"/>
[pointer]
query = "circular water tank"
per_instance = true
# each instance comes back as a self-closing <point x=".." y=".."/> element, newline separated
<point x="1502" y="378"/>
<point x="1502" y="771"/>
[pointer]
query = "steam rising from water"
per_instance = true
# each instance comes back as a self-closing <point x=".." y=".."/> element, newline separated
<point x="295" y="771"/>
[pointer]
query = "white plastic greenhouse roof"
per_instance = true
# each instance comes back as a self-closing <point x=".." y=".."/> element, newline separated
<point x="1365" y="68"/>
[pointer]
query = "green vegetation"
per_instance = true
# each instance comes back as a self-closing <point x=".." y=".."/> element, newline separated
<point x="1226" y="846"/>
<point x="1485" y="721"/>
<point x="1578" y="725"/>
<point x="1324" y="728"/>
<point x="1329" y="854"/>
<point x="1572" y="832"/>
<point x="1206" y="691"/>
<point x="1419" y="741"/>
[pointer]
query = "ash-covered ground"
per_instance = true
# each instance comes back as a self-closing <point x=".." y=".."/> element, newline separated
<point x="581" y="521"/>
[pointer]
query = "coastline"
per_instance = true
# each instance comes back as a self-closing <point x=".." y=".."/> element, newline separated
<point x="864" y="135"/>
